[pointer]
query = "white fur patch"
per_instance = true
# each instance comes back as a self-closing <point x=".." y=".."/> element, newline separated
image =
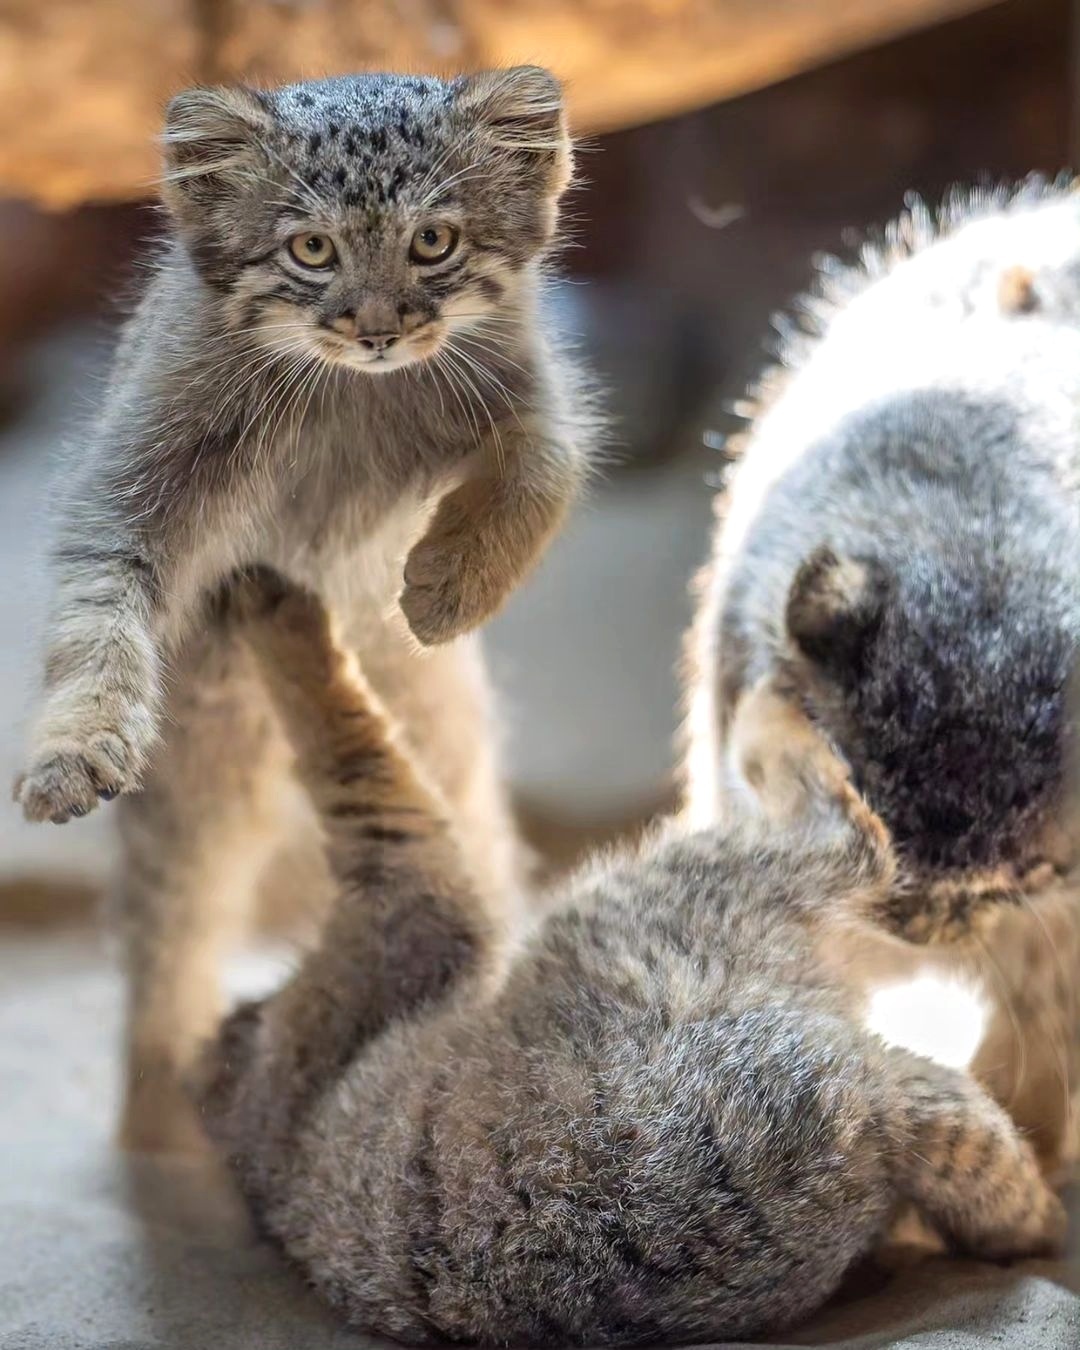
<point x="935" y="1015"/>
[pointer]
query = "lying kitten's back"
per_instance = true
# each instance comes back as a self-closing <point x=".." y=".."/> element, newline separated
<point x="656" y="1122"/>
<point x="625" y="1129"/>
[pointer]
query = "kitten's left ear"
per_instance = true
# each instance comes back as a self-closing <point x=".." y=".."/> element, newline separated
<point x="211" y="140"/>
<point x="834" y="608"/>
<point x="522" y="109"/>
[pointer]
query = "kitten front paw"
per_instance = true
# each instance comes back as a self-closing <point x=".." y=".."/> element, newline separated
<point x="444" y="595"/>
<point x="66" y="783"/>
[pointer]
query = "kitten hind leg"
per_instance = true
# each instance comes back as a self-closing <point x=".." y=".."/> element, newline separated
<point x="408" y="925"/>
<point x="194" y="843"/>
<point x="442" y="702"/>
<point x="963" y="1163"/>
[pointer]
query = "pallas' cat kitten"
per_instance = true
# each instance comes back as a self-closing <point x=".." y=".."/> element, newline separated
<point x="900" y="547"/>
<point x="655" y="1120"/>
<point x="340" y="360"/>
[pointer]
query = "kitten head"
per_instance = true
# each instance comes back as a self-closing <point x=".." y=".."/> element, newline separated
<point x="365" y="219"/>
<point x="935" y="718"/>
<point x="949" y="708"/>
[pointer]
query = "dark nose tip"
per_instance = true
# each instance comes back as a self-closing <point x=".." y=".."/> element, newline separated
<point x="378" y="342"/>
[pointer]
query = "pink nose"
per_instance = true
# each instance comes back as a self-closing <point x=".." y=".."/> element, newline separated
<point x="377" y="342"/>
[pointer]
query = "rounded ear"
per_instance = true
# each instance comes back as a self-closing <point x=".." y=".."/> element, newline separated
<point x="835" y="606"/>
<point x="522" y="109"/>
<point x="211" y="139"/>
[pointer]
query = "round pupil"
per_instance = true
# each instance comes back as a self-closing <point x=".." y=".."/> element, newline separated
<point x="430" y="238"/>
<point x="314" y="244"/>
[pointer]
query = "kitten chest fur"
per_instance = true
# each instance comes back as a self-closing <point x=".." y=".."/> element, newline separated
<point x="333" y="489"/>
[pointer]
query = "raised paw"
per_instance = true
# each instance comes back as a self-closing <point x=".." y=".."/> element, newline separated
<point x="253" y="593"/>
<point x="288" y="627"/>
<point x="443" y="595"/>
<point x="796" y="775"/>
<point x="70" y="783"/>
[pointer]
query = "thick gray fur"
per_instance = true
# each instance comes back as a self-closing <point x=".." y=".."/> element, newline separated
<point x="655" y="1120"/>
<point x="246" y="421"/>
<point x="900" y="546"/>
<point x="241" y="425"/>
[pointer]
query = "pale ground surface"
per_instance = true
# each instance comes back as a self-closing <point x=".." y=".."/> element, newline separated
<point x="98" y="1252"/>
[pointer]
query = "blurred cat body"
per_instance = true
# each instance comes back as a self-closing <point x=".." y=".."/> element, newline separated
<point x="650" y="1119"/>
<point x="340" y="360"/>
<point x="900" y="545"/>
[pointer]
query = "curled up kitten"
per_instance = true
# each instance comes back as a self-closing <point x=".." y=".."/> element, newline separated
<point x="899" y="549"/>
<point x="341" y="359"/>
<point x="655" y="1120"/>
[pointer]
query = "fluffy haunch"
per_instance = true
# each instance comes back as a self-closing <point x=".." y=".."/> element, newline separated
<point x="655" y="1121"/>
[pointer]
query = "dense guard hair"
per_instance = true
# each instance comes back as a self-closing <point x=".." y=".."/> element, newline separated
<point x="899" y="546"/>
<point x="656" y="1121"/>
<point x="343" y="365"/>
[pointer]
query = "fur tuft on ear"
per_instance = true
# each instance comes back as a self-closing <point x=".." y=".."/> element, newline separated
<point x="522" y="109"/>
<point x="211" y="137"/>
<point x="834" y="607"/>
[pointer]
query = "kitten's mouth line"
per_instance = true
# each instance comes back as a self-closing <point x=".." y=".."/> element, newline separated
<point x="344" y="352"/>
<point x="381" y="363"/>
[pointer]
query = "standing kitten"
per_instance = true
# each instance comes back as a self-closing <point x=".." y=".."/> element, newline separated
<point x="344" y="331"/>
<point x="900" y="547"/>
<point x="655" y="1122"/>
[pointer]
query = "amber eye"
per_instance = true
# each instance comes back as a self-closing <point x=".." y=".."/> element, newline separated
<point x="313" y="250"/>
<point x="433" y="243"/>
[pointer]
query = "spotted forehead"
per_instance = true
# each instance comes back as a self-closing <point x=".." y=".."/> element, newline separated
<point x="365" y="141"/>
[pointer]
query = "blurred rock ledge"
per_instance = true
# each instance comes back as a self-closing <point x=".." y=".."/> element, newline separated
<point x="83" y="82"/>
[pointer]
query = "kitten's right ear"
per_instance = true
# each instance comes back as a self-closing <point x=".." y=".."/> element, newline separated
<point x="212" y="137"/>
<point x="523" y="111"/>
<point x="834" y="608"/>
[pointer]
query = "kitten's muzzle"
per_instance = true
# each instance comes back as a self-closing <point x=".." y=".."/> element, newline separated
<point x="373" y="327"/>
<point x="377" y="342"/>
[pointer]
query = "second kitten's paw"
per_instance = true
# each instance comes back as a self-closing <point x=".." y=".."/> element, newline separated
<point x="68" y="783"/>
<point x="253" y="593"/>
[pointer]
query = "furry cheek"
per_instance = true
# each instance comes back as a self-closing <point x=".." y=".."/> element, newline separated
<point x="488" y="287"/>
<point x="279" y="325"/>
